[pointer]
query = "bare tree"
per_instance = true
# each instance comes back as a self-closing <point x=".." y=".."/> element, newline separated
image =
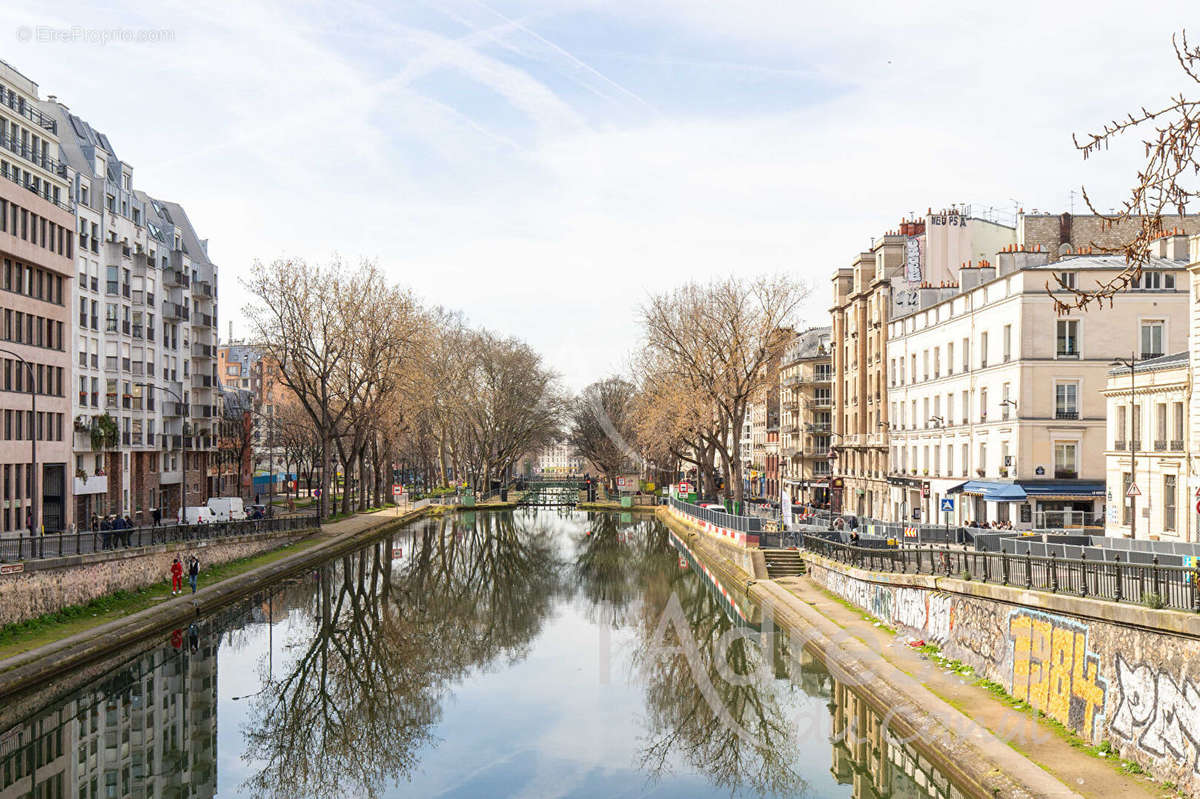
<point x="1160" y="191"/>
<point x="600" y="426"/>
<point x="722" y="339"/>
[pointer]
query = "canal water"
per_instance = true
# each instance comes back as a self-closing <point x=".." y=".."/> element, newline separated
<point x="536" y="653"/>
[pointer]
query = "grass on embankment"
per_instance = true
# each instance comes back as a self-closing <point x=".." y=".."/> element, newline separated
<point x="32" y="633"/>
<point x="1105" y="751"/>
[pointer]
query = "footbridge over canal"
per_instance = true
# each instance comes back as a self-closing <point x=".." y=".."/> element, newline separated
<point x="551" y="493"/>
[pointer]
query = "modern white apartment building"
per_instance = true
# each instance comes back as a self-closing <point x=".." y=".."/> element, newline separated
<point x="137" y="343"/>
<point x="996" y="401"/>
<point x="558" y="460"/>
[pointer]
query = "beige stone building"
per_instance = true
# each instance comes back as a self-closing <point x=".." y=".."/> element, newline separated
<point x="1153" y="427"/>
<point x="36" y="267"/>
<point x="997" y="402"/>
<point x="805" y="417"/>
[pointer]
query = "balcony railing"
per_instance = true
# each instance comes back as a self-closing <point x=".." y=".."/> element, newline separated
<point x="1120" y="445"/>
<point x="1176" y="445"/>
<point x="1066" y="413"/>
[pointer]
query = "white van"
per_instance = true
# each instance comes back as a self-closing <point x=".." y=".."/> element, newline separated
<point x="227" y="509"/>
<point x="195" y="514"/>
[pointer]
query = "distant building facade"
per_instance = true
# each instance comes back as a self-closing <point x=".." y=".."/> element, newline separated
<point x="806" y="412"/>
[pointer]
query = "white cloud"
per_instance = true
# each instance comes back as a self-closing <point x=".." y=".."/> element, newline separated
<point x="508" y="160"/>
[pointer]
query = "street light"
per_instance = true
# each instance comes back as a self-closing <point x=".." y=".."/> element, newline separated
<point x="34" y="518"/>
<point x="1134" y="431"/>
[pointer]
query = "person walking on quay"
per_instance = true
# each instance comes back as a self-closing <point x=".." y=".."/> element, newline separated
<point x="176" y="576"/>
<point x="156" y="516"/>
<point x="193" y="572"/>
<point x="127" y="531"/>
<point x="105" y="532"/>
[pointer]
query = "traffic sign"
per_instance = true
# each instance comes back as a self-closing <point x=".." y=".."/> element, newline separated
<point x="946" y="504"/>
<point x="925" y="489"/>
<point x="1133" y="491"/>
<point x="1197" y="511"/>
<point x="685" y="488"/>
<point x="397" y="490"/>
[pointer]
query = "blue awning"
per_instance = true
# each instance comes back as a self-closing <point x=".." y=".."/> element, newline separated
<point x="1063" y="488"/>
<point x="991" y="491"/>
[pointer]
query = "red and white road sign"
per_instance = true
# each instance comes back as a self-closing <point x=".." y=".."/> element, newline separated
<point x="685" y="488"/>
<point x="1133" y="491"/>
<point x="397" y="490"/>
<point x="1198" y="506"/>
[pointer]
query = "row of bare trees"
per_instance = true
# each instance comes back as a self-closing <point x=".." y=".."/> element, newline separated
<point x="708" y="351"/>
<point x="369" y="378"/>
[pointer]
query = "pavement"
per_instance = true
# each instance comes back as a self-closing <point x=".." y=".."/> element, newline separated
<point x="31" y="669"/>
<point x="985" y="746"/>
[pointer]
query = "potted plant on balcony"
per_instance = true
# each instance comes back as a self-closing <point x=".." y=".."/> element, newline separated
<point x="104" y="432"/>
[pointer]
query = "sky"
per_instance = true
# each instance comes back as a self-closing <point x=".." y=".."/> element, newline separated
<point x="547" y="166"/>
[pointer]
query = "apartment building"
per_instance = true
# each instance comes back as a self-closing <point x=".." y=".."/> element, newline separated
<point x="144" y="337"/>
<point x="558" y="460"/>
<point x="36" y="248"/>
<point x="997" y="402"/>
<point x="805" y="417"/>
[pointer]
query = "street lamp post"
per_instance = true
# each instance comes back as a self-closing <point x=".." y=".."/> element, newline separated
<point x="1134" y="430"/>
<point x="34" y="518"/>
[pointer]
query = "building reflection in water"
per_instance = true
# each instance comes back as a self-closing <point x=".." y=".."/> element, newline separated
<point x="877" y="761"/>
<point x="147" y="730"/>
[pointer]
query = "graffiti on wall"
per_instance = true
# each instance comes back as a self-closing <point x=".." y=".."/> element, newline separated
<point x="940" y="617"/>
<point x="1054" y="671"/>
<point x="1156" y="713"/>
<point x="979" y="628"/>
<point x="875" y="599"/>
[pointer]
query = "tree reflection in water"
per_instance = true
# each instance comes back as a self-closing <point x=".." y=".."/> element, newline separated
<point x="350" y="714"/>
<point x="712" y="699"/>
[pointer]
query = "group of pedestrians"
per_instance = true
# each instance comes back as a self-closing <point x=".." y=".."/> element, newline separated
<point x="177" y="569"/>
<point x="115" y="530"/>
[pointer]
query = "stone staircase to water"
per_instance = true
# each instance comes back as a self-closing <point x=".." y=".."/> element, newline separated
<point x="783" y="563"/>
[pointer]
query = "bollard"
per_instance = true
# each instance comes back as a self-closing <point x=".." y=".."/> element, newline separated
<point x="1119" y="593"/>
<point x="1053" y="574"/>
<point x="1157" y="583"/>
<point x="1004" y="566"/>
<point x="1083" y="572"/>
<point x="1029" y="567"/>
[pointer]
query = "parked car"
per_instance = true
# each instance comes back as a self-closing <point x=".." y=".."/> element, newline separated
<point x="227" y="509"/>
<point x="195" y="514"/>
<point x="256" y="512"/>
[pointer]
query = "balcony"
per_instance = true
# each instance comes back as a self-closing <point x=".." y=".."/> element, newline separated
<point x="174" y="310"/>
<point x="201" y="381"/>
<point x="1066" y="413"/>
<point x="114" y="250"/>
<point x="1135" y="444"/>
<point x="822" y="402"/>
<point x="204" y="320"/>
<point x="91" y="484"/>
<point x="1120" y="445"/>
<point x="1176" y="445"/>
<point x="204" y="288"/>
<point x="176" y="277"/>
<point x="1160" y="445"/>
<point x="204" y="351"/>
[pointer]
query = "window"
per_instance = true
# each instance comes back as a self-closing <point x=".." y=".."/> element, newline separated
<point x="981" y="467"/>
<point x="1007" y="343"/>
<point x="1064" y="460"/>
<point x="1068" y="338"/>
<point x="966" y="457"/>
<point x="1160" y="426"/>
<point x="1152" y="338"/>
<point x="966" y="407"/>
<point x="966" y="353"/>
<point x="950" y="358"/>
<point x="983" y="350"/>
<point x="1066" y="400"/>
<point x="1177" y="426"/>
<point x="949" y="459"/>
<point x="1168" y="502"/>
<point x="1121" y="421"/>
<point x="1137" y="427"/>
<point x="1005" y="401"/>
<point x="983" y="405"/>
<point x="1067" y="279"/>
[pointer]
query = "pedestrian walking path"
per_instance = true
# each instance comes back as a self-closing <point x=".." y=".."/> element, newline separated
<point x="1087" y="775"/>
<point x="85" y="643"/>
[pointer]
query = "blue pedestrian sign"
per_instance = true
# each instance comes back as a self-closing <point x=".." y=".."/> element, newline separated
<point x="947" y="505"/>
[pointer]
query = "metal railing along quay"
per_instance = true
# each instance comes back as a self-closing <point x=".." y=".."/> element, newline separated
<point x="23" y="546"/>
<point x="1152" y="584"/>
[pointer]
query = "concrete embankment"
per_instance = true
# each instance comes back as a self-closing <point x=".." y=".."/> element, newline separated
<point x="33" y="668"/>
<point x="973" y="757"/>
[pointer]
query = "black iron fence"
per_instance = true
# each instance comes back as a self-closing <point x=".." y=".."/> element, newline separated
<point x="22" y="546"/>
<point x="1153" y="584"/>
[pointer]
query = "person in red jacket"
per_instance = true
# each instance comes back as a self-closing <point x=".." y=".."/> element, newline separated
<point x="176" y="576"/>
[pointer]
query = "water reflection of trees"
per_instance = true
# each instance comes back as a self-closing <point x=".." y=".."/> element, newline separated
<point x="352" y="712"/>
<point x="712" y="700"/>
<point x="613" y="562"/>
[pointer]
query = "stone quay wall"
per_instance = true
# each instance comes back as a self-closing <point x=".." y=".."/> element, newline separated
<point x="1122" y="673"/>
<point x="47" y="586"/>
